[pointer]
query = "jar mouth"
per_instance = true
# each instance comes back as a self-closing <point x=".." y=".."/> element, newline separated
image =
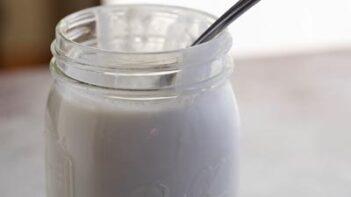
<point x="118" y="47"/>
<point x="64" y="25"/>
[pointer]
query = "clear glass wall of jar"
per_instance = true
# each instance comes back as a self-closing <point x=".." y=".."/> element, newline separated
<point x="133" y="112"/>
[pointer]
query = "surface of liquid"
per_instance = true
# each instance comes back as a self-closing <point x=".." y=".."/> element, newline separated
<point x="181" y="147"/>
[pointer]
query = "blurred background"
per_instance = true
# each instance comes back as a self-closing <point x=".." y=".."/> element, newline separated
<point x="27" y="28"/>
<point x="292" y="82"/>
<point x="275" y="27"/>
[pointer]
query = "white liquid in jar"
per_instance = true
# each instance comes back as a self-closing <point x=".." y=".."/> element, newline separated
<point x="182" y="147"/>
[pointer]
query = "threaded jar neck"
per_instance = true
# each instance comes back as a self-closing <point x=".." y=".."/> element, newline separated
<point x="139" y="47"/>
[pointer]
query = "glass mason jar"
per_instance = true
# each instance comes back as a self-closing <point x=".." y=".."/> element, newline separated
<point x="133" y="112"/>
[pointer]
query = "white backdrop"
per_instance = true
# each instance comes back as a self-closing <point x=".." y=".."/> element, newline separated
<point x="280" y="26"/>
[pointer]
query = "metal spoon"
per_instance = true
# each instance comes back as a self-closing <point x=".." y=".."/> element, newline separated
<point x="226" y="19"/>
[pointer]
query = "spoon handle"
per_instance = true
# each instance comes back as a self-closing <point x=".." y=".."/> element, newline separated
<point x="228" y="17"/>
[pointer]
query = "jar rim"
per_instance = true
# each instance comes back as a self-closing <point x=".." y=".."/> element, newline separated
<point x="223" y="36"/>
<point x="182" y="68"/>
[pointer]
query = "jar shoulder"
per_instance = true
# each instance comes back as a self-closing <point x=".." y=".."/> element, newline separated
<point x="61" y="96"/>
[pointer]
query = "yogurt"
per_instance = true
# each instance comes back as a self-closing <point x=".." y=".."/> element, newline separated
<point x="177" y="147"/>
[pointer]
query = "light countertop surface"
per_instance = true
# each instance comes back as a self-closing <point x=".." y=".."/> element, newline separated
<point x="295" y="136"/>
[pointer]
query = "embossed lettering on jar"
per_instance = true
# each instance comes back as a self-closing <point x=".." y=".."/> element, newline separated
<point x="132" y="112"/>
